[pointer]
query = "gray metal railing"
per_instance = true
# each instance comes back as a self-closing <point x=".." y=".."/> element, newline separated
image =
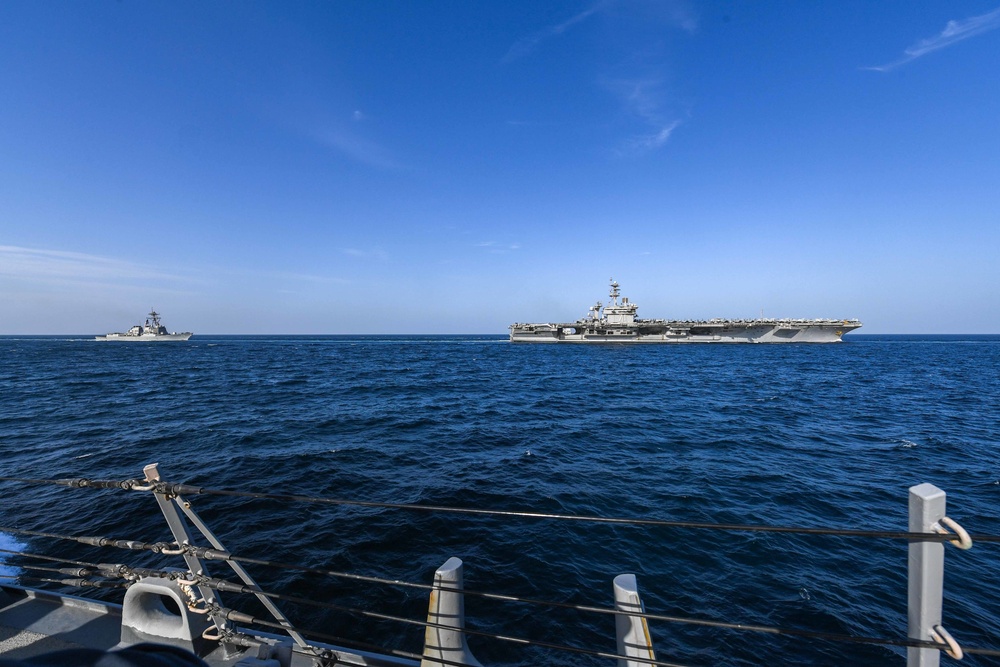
<point x="445" y="631"/>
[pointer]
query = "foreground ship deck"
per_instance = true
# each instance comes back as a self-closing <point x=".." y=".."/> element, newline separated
<point x="617" y="323"/>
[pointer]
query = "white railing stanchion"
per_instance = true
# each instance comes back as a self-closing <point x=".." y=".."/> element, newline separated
<point x="447" y="608"/>
<point x="631" y="629"/>
<point x="926" y="574"/>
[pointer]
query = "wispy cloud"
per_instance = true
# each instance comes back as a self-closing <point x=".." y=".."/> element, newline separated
<point x="59" y="266"/>
<point x="289" y="276"/>
<point x="374" y="253"/>
<point x="954" y="32"/>
<point x="524" y="47"/>
<point x="644" y="99"/>
<point x="675" y="13"/>
<point x="497" y="248"/>
<point x="653" y="141"/>
<point x="681" y="16"/>
<point x="356" y="147"/>
<point x="633" y="40"/>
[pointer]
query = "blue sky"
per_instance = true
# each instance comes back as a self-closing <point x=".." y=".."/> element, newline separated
<point x="452" y="167"/>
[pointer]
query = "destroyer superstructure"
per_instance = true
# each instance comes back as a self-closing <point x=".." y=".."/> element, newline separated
<point x="616" y="322"/>
<point x="153" y="330"/>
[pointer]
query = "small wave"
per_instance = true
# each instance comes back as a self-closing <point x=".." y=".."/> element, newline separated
<point x="905" y="444"/>
<point x="9" y="544"/>
<point x="84" y="456"/>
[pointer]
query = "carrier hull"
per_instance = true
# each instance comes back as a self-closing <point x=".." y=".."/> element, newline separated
<point x="616" y="323"/>
<point x="687" y="332"/>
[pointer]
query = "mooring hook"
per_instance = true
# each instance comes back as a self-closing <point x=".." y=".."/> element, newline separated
<point x="963" y="541"/>
<point x="943" y="637"/>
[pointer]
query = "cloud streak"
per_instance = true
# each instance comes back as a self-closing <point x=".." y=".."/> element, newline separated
<point x="498" y="248"/>
<point x="66" y="270"/>
<point x="643" y="99"/>
<point x="954" y="32"/>
<point x="359" y="149"/>
<point x="651" y="142"/>
<point x="634" y="38"/>
<point x="526" y="46"/>
<point x="58" y="266"/>
<point x="375" y="253"/>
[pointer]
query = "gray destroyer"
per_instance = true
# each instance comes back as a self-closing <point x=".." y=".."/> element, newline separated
<point x="153" y="330"/>
<point x="616" y="322"/>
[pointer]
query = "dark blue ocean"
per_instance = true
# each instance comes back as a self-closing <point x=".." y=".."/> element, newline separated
<point x="800" y="435"/>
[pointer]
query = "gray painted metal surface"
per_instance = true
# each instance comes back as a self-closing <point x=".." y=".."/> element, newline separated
<point x="444" y="640"/>
<point x="153" y="330"/>
<point x="155" y="610"/>
<point x="631" y="630"/>
<point x="182" y="536"/>
<point x="616" y="322"/>
<point x="926" y="573"/>
<point x="163" y="610"/>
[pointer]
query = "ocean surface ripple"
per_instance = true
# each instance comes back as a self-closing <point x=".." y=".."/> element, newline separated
<point x="818" y="436"/>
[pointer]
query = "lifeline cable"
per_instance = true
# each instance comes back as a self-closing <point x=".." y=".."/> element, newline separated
<point x="516" y="640"/>
<point x="225" y="586"/>
<point x="233" y="615"/>
<point x="176" y="489"/>
<point x="245" y="618"/>
<point x="48" y="558"/>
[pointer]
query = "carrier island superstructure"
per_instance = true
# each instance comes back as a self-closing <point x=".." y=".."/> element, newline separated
<point x="616" y="322"/>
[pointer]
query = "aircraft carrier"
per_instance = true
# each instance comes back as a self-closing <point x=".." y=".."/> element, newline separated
<point x="616" y="322"/>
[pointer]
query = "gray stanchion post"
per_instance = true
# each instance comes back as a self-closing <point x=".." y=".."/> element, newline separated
<point x="182" y="536"/>
<point x="926" y="574"/>
<point x="632" y="631"/>
<point x="447" y="608"/>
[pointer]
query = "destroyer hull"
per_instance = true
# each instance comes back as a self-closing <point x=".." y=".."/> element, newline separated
<point x="145" y="338"/>
<point x="754" y="331"/>
<point x="150" y="332"/>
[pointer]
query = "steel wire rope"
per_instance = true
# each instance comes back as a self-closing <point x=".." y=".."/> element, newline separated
<point x="351" y="643"/>
<point x="810" y="634"/>
<point x="253" y="620"/>
<point x="97" y="567"/>
<point x="48" y="558"/>
<point x="76" y="583"/>
<point x="327" y="605"/>
<point x="348" y="643"/>
<point x="243" y="618"/>
<point x="318" y="653"/>
<point x="176" y="489"/>
<point x="744" y="627"/>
